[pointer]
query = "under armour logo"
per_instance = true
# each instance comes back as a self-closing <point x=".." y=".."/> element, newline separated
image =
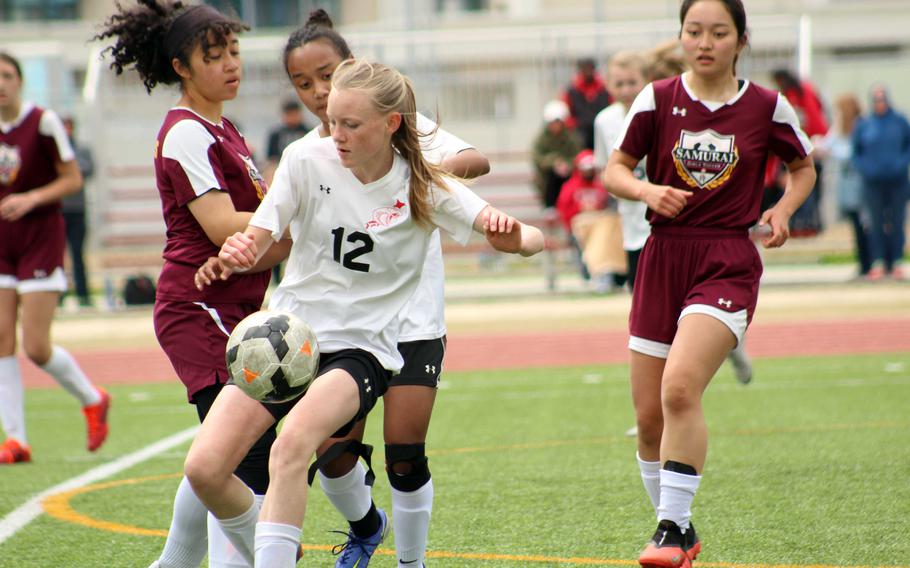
<point x="325" y="188"/>
<point x="679" y="111"/>
<point x="723" y="302"/>
<point x="431" y="369"/>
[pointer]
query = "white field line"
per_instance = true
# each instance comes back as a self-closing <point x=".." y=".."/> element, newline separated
<point x="28" y="511"/>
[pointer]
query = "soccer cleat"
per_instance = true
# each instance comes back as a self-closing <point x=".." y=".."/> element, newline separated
<point x="356" y="552"/>
<point x="670" y="548"/>
<point x="96" y="420"/>
<point x="11" y="451"/>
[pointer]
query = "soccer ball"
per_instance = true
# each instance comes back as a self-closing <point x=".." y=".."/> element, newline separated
<point x="272" y="356"/>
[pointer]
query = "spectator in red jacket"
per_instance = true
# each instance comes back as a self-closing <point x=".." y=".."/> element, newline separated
<point x="586" y="96"/>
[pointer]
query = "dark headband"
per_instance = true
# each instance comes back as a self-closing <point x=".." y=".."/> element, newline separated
<point x="188" y="24"/>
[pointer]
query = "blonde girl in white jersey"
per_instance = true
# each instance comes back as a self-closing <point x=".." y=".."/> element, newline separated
<point x="385" y="200"/>
<point x="311" y="56"/>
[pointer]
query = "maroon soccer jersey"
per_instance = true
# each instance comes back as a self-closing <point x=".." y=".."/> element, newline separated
<point x="717" y="154"/>
<point x="192" y="157"/>
<point x="30" y="148"/>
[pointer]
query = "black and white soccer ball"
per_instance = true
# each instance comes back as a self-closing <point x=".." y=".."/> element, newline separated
<point x="272" y="356"/>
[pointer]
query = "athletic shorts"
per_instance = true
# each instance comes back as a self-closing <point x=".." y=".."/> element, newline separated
<point x="31" y="253"/>
<point x="194" y="335"/>
<point x="372" y="381"/>
<point x="684" y="270"/>
<point x="422" y="363"/>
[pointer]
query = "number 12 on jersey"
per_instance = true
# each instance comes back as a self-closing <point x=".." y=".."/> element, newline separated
<point x="348" y="259"/>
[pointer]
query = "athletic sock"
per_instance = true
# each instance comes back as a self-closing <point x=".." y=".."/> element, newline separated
<point x="241" y="531"/>
<point x="12" y="399"/>
<point x="66" y="371"/>
<point x="368" y="525"/>
<point x="650" y="477"/>
<point x="350" y="495"/>
<point x="185" y="546"/>
<point x="411" y="511"/>
<point x="276" y="545"/>
<point x="222" y="553"/>
<point x="677" y="490"/>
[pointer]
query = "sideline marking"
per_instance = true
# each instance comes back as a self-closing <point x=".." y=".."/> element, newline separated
<point x="58" y="507"/>
<point x="27" y="512"/>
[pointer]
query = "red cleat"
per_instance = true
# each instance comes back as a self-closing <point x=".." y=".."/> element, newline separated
<point x="670" y="548"/>
<point x="96" y="420"/>
<point x="13" y="452"/>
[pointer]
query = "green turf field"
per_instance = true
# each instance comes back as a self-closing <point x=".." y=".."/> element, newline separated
<point x="808" y="466"/>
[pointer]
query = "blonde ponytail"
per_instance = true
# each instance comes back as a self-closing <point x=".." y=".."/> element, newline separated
<point x="390" y="91"/>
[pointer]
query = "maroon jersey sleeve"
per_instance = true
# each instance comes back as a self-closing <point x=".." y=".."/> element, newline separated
<point x="638" y="133"/>
<point x="190" y="161"/>
<point x="786" y="139"/>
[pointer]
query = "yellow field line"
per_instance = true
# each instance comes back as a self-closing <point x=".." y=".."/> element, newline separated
<point x="58" y="506"/>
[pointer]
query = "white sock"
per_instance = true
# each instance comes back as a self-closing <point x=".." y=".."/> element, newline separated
<point x="677" y="490"/>
<point x="650" y="476"/>
<point x="241" y="531"/>
<point x="276" y="545"/>
<point x="411" y="512"/>
<point x="186" y="542"/>
<point x="66" y="371"/>
<point x="12" y="399"/>
<point x="222" y="553"/>
<point x="349" y="493"/>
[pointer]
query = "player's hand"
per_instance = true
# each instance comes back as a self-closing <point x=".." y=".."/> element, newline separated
<point x="502" y="231"/>
<point x="238" y="252"/>
<point x="665" y="200"/>
<point x="775" y="226"/>
<point x="15" y="206"/>
<point x="213" y="269"/>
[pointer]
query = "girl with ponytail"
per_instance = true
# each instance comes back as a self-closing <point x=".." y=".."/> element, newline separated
<point x="311" y="56"/>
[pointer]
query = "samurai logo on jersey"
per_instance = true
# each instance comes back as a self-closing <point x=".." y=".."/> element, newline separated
<point x="705" y="159"/>
<point x="255" y="176"/>
<point x="387" y="216"/>
<point x="10" y="162"/>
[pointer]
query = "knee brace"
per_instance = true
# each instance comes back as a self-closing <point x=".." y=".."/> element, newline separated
<point x="406" y="466"/>
<point x="352" y="446"/>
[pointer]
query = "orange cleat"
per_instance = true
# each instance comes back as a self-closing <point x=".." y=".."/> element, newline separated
<point x="11" y="451"/>
<point x="96" y="420"/>
<point x="670" y="548"/>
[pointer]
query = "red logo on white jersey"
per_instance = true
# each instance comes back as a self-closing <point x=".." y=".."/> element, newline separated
<point x="10" y="162"/>
<point x="386" y="216"/>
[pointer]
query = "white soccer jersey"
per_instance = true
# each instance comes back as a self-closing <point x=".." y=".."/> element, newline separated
<point x="424" y="316"/>
<point x="608" y="125"/>
<point x="357" y="254"/>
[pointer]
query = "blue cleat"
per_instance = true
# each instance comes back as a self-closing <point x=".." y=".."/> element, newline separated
<point x="356" y="552"/>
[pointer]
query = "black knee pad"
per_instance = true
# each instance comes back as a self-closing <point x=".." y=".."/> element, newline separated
<point x="406" y="466"/>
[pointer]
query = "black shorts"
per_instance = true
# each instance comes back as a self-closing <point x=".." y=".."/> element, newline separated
<point x="422" y="363"/>
<point x="372" y="381"/>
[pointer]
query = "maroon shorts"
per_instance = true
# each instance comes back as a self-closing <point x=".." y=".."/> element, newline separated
<point x="32" y="247"/>
<point x="681" y="267"/>
<point x="193" y="335"/>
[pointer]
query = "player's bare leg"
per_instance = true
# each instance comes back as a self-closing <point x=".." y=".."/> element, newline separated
<point x="407" y="412"/>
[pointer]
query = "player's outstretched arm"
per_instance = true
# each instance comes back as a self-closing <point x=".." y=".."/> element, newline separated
<point x="799" y="185"/>
<point x="241" y="251"/>
<point x="506" y="234"/>
<point x="467" y="164"/>
<point x="619" y="180"/>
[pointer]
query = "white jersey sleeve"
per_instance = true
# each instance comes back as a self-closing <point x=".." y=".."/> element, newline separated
<point x="455" y="210"/>
<point x="282" y="202"/>
<point x="187" y="143"/>
<point x="51" y="125"/>
<point x="438" y="144"/>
